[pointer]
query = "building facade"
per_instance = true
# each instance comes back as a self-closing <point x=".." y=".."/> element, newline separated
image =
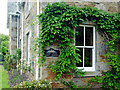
<point x="24" y="30"/>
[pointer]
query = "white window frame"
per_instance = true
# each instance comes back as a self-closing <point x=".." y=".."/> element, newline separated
<point x="93" y="50"/>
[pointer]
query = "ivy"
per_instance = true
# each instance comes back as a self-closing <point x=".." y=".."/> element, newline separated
<point x="58" y="22"/>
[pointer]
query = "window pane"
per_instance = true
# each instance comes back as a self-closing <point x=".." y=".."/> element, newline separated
<point x="80" y="64"/>
<point x="80" y="36"/>
<point x="88" y="57"/>
<point x="88" y="36"/>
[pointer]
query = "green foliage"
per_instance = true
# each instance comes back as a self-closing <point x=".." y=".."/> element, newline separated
<point x="3" y="38"/>
<point x="70" y="85"/>
<point x="4" y="42"/>
<point x="34" y="84"/>
<point x="4" y="47"/>
<point x="12" y="60"/>
<point x="59" y="28"/>
<point x="112" y="79"/>
<point x="58" y="22"/>
<point x="67" y="62"/>
<point x="97" y="79"/>
<point x="15" y="77"/>
<point x="25" y="66"/>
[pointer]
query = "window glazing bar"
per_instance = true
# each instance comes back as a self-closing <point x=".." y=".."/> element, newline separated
<point x="83" y="56"/>
<point x="84" y="35"/>
<point x="85" y="46"/>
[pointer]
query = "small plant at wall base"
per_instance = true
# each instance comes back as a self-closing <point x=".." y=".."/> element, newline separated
<point x="12" y="60"/>
<point x="61" y="20"/>
<point x="34" y="84"/>
<point x="15" y="77"/>
<point x="25" y="66"/>
<point x="12" y="64"/>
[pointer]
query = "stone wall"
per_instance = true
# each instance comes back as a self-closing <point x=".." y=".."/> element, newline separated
<point x="119" y="6"/>
<point x="101" y="48"/>
<point x="100" y="61"/>
<point x="31" y="28"/>
<point x="11" y="8"/>
<point x="110" y="7"/>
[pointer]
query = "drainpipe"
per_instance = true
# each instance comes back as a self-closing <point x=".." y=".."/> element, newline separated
<point x="37" y="65"/>
<point x="41" y="65"/>
<point x="22" y="44"/>
<point x="17" y="32"/>
<point x="17" y="38"/>
<point x="10" y="16"/>
<point x="17" y="26"/>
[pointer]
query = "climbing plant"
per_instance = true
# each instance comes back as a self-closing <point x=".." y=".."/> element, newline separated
<point x="58" y="22"/>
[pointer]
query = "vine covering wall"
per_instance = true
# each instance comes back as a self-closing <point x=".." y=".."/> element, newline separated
<point x="58" y="22"/>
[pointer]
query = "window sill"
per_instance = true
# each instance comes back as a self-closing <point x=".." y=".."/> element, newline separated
<point x="89" y="74"/>
<point x="87" y="69"/>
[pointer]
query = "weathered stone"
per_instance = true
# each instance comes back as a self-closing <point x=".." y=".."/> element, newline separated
<point x="119" y="6"/>
<point x="100" y="39"/>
